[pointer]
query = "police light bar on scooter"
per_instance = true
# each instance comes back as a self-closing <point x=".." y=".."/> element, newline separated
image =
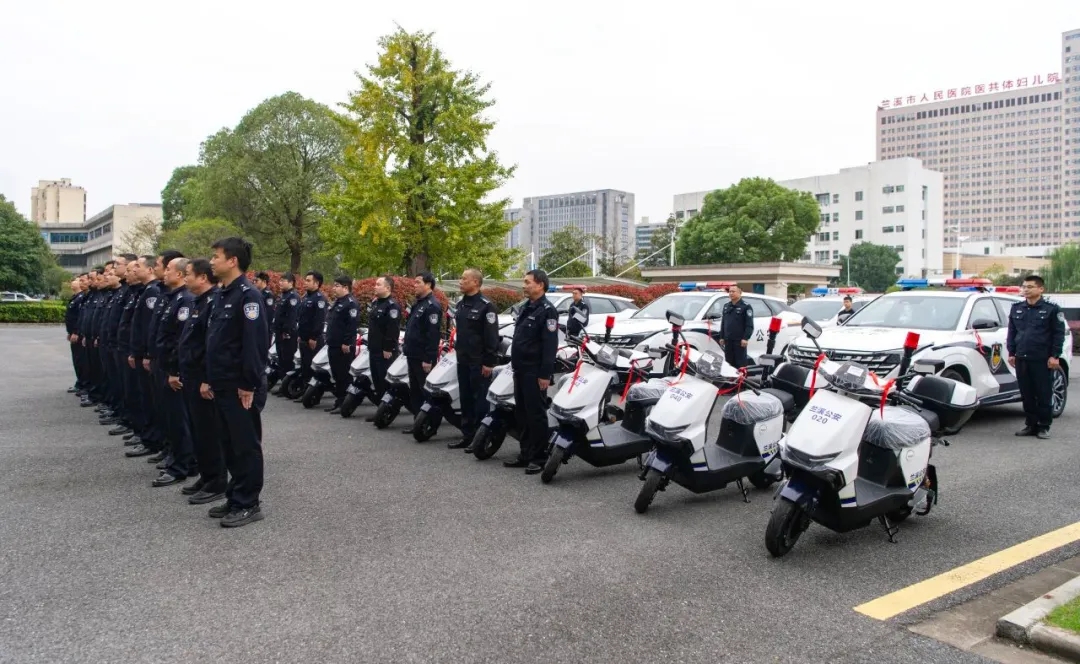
<point x="706" y="285"/>
<point x="566" y="288"/>
<point x="911" y="341"/>
<point x="775" y="324"/>
<point x="609" y="322"/>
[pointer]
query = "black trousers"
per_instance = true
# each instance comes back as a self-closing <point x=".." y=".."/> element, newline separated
<point x="306" y="356"/>
<point x="76" y="364"/>
<point x="152" y="437"/>
<point x="241" y="444"/>
<point x="1036" y="391"/>
<point x="339" y="370"/>
<point x="473" y="388"/>
<point x="94" y="373"/>
<point x="116" y="382"/>
<point x="734" y="353"/>
<point x="181" y="450"/>
<point x="417" y="378"/>
<point x="206" y="443"/>
<point x="530" y="411"/>
<point x="286" y="354"/>
<point x="133" y="398"/>
<point x="379" y="365"/>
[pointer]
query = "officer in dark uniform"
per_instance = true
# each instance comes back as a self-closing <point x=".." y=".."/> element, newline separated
<point x="236" y="355"/>
<point x="151" y="437"/>
<point x="202" y="416"/>
<point x="574" y="327"/>
<point x="1035" y="340"/>
<point x="159" y="380"/>
<point x="477" y="324"/>
<point x="736" y="328"/>
<point x="179" y="302"/>
<point x="71" y="325"/>
<point x="109" y="358"/>
<point x="262" y="282"/>
<point x="846" y="312"/>
<point x="86" y="312"/>
<point x="128" y="378"/>
<point x="91" y="336"/>
<point x="310" y="322"/>
<point x="536" y="338"/>
<point x="342" y="323"/>
<point x="384" y="328"/>
<point x="421" y="345"/>
<point x="288" y="310"/>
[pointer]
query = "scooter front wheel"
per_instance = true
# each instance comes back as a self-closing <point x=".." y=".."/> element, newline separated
<point x="385" y="415"/>
<point x="648" y="491"/>
<point x="312" y="396"/>
<point x="487" y="441"/>
<point x="551" y="466"/>
<point x="349" y="404"/>
<point x="786" y="524"/>
<point x="293" y="388"/>
<point x="423" y="427"/>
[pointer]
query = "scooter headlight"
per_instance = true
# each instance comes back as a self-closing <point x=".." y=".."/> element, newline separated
<point x="709" y="365"/>
<point x="607" y="355"/>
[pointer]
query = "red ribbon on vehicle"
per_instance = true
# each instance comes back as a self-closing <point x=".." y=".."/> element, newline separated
<point x="577" y="369"/>
<point x="685" y="360"/>
<point x="886" y="387"/>
<point x="737" y="387"/>
<point x="978" y="341"/>
<point x="631" y="379"/>
<point x="813" y="378"/>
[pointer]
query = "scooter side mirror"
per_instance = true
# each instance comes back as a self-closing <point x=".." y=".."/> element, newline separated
<point x="655" y="354"/>
<point x="580" y="317"/>
<point x="810" y="328"/>
<point x="675" y="319"/>
<point x="928" y="367"/>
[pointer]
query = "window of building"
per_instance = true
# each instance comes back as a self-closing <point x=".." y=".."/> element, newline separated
<point x="836" y="216"/>
<point x="822" y="199"/>
<point x="899" y="208"/>
<point x="858" y="196"/>
<point x="835" y="254"/>
<point x="836" y="198"/>
<point x="858" y="234"/>
<point x="823" y="237"/>
<point x="836" y="236"/>
<point x="887" y="189"/>
<point x="887" y="229"/>
<point x="888" y="209"/>
<point x="899" y="229"/>
<point x="899" y="187"/>
<point x="858" y="215"/>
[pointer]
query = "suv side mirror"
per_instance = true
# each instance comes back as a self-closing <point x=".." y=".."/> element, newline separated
<point x="984" y="324"/>
<point x="810" y="328"/>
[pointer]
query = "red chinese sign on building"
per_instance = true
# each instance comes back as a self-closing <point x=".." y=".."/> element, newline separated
<point x="970" y="91"/>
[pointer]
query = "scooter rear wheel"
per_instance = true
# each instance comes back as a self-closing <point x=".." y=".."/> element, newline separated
<point x="786" y="524"/>
<point x="551" y="466"/>
<point x="762" y="480"/>
<point x="312" y="396"/>
<point x="487" y="442"/>
<point x="423" y="427"/>
<point x="645" y="497"/>
<point x="349" y="404"/>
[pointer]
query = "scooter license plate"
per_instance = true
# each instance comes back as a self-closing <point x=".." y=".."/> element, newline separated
<point x="426" y="407"/>
<point x="387" y="398"/>
<point x="313" y="382"/>
<point x="563" y="442"/>
<point x="352" y="389"/>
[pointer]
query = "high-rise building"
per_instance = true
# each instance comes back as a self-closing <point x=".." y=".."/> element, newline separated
<point x="1003" y="148"/>
<point x="513" y="236"/>
<point x="57" y="202"/>
<point x="604" y="213"/>
<point x="897" y="203"/>
<point x="643" y="233"/>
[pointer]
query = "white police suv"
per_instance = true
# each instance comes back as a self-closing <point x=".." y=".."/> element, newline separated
<point x="963" y="327"/>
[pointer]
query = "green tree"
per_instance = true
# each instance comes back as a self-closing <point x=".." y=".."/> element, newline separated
<point x="1064" y="273"/>
<point x="195" y="236"/>
<point x="753" y="221"/>
<point x="24" y="255"/>
<point x="658" y="245"/>
<point x="873" y="267"/>
<point x="266" y="176"/>
<point x="182" y="199"/>
<point x="418" y="175"/>
<point x="566" y="248"/>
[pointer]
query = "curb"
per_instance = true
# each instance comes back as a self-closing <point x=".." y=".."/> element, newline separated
<point x="1025" y="625"/>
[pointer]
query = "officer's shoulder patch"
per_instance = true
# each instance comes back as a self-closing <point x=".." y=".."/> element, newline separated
<point x="394" y="312"/>
<point x="269" y="299"/>
<point x="183" y="313"/>
<point x="244" y="288"/>
<point x="322" y="304"/>
<point x="433" y="319"/>
<point x="749" y="310"/>
<point x="292" y="302"/>
<point x="352" y="312"/>
<point x="251" y="310"/>
<point x="491" y="317"/>
<point x="150" y="302"/>
<point x="552" y="324"/>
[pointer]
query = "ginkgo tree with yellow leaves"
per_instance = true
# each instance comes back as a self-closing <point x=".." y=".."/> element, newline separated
<point x="417" y="179"/>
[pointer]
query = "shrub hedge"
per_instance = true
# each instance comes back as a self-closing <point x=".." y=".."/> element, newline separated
<point x="48" y="311"/>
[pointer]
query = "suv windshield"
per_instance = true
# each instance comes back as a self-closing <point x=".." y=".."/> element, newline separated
<point x="913" y="311"/>
<point x="818" y="309"/>
<point x="687" y="306"/>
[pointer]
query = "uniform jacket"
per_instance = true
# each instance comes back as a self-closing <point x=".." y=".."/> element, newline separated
<point x="423" y="329"/>
<point x="477" y="325"/>
<point x="536" y="338"/>
<point x="236" y="350"/>
<point x="1036" y="332"/>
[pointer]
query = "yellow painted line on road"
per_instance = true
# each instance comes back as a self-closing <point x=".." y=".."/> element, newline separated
<point x="905" y="599"/>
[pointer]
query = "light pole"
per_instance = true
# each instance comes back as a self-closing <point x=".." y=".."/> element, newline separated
<point x="960" y="239"/>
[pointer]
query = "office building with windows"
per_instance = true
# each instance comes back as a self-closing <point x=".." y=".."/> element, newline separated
<point x="57" y="202"/>
<point x="643" y="233"/>
<point x="603" y="213"/>
<point x="1007" y="149"/>
<point x="897" y="203"/>
<point x="82" y="245"/>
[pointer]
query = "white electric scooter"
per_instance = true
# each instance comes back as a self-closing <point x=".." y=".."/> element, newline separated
<point x="361" y="386"/>
<point x="860" y="450"/>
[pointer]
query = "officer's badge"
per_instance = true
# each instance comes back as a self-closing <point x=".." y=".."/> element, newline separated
<point x="183" y="314"/>
<point x="322" y="304"/>
<point x="150" y="302"/>
<point x="552" y="324"/>
<point x="352" y="312"/>
<point x="251" y="310"/>
<point x="269" y="300"/>
<point x="393" y="313"/>
<point x="491" y="317"/>
<point x="292" y="302"/>
<point x="433" y="319"/>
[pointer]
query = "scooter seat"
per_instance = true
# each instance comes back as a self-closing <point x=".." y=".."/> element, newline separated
<point x="896" y="429"/>
<point x="786" y="399"/>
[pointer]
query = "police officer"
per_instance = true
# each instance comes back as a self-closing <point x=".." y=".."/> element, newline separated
<point x="262" y="282"/>
<point x="179" y="302"/>
<point x="536" y="336"/>
<point x="110" y="329"/>
<point x="310" y="322"/>
<point x="574" y="327"/>
<point x="129" y="379"/>
<point x="150" y="437"/>
<point x="89" y="337"/>
<point x="421" y="346"/>
<point x="71" y="326"/>
<point x="236" y="355"/>
<point x="159" y="380"/>
<point x="1035" y="339"/>
<point x="288" y="310"/>
<point x="202" y="416"/>
<point x="384" y="328"/>
<point x="477" y="324"/>
<point x="846" y="312"/>
<point x="342" y="323"/>
<point x="736" y="328"/>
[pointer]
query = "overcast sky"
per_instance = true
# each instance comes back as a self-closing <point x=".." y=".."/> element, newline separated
<point x="670" y="98"/>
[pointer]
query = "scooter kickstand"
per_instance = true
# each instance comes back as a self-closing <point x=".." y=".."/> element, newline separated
<point x="745" y="491"/>
<point x="890" y="529"/>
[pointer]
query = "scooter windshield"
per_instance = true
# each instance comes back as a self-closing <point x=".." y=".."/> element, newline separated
<point x="850" y="377"/>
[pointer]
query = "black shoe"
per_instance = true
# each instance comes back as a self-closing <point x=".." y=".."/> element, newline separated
<point x="157" y="458"/>
<point x="193" y="488"/>
<point x="162" y="465"/>
<point x="333" y="411"/>
<point x="1027" y="431"/>
<point x="129" y="436"/>
<point x="86" y="403"/>
<point x="533" y="468"/>
<point x="219" y="511"/>
<point x="407" y="431"/>
<point x="241" y="517"/>
<point x="515" y="463"/>
<point x="166" y="479"/>
<point x="369" y="418"/>
<point x="72" y="390"/>
<point x="119" y="431"/>
<point x="1043" y="434"/>
<point x="204" y="497"/>
<point x="459" y="444"/>
<point x="138" y="451"/>
<point x="132" y="442"/>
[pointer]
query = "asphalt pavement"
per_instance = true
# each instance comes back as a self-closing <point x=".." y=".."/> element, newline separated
<point x="376" y="548"/>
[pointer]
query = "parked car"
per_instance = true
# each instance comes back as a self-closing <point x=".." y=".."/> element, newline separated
<point x="824" y="310"/>
<point x="601" y="306"/>
<point x="10" y="296"/>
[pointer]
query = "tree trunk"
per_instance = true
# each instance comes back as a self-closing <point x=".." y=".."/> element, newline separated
<point x="418" y="264"/>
